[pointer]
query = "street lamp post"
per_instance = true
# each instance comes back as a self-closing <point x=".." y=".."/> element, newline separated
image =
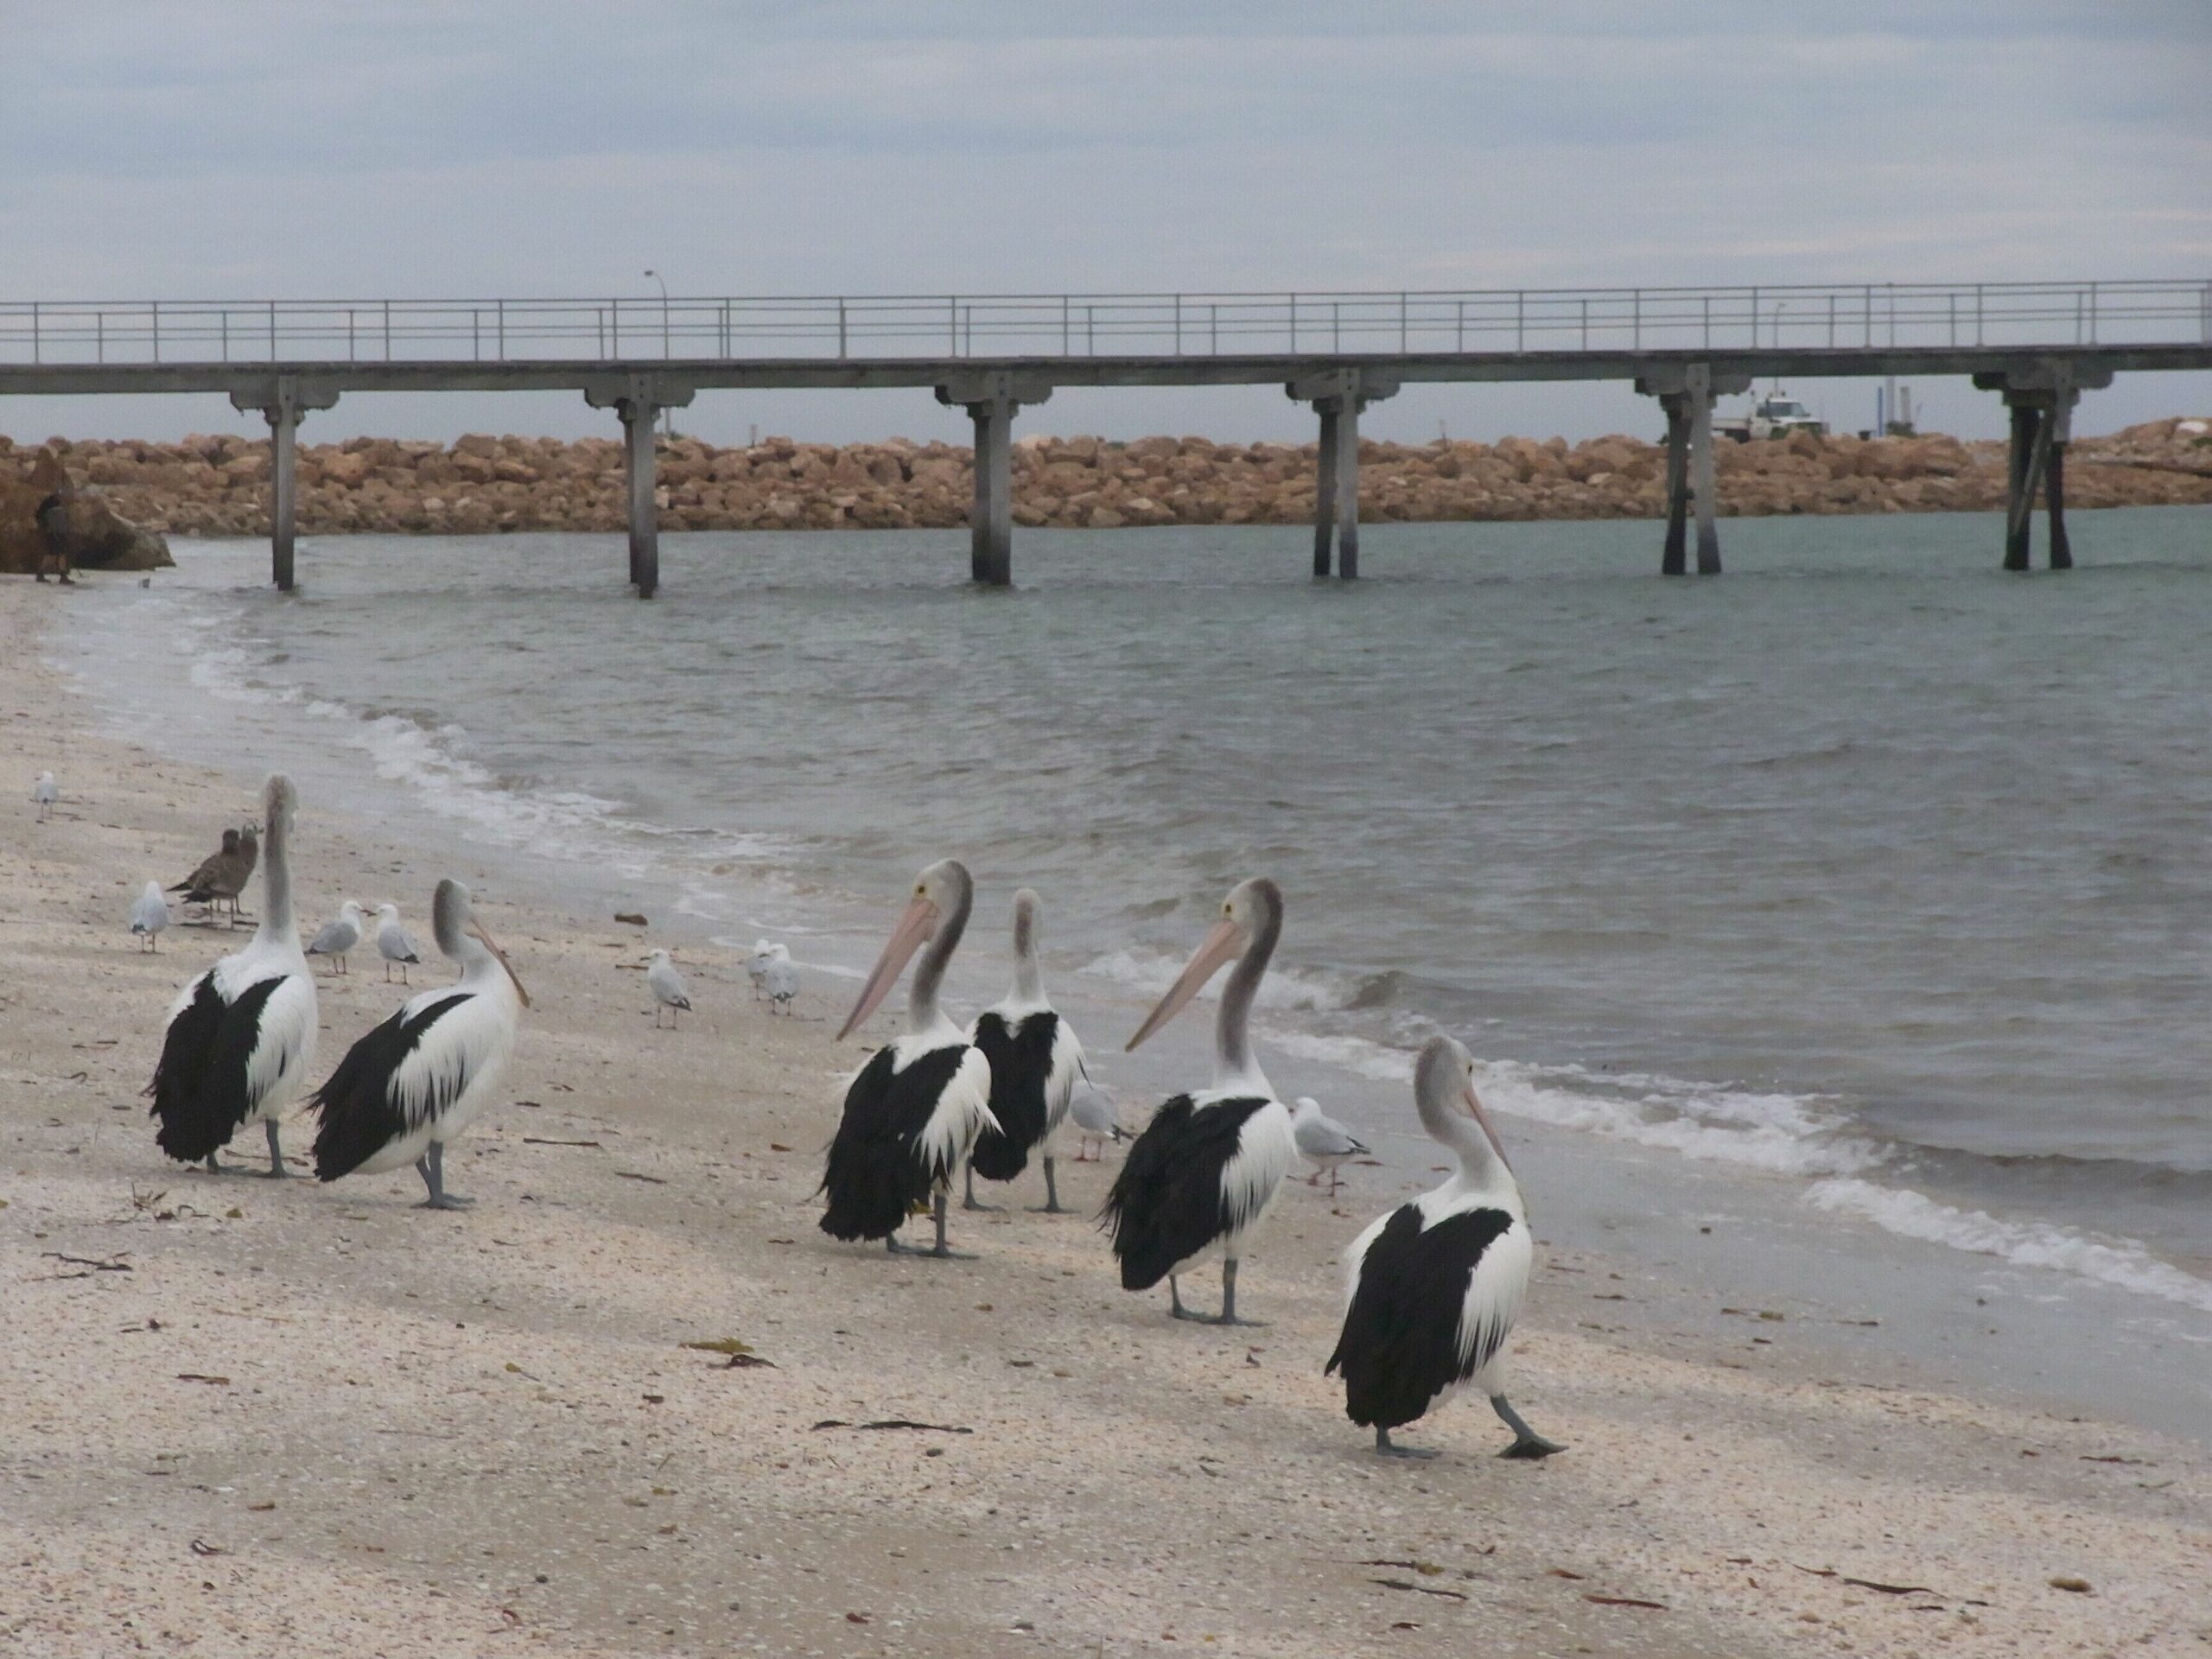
<point x="667" y="415"/>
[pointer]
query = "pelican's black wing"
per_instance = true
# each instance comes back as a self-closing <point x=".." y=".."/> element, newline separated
<point x="361" y="1113"/>
<point x="1400" y="1345"/>
<point x="1168" y="1206"/>
<point x="199" y="1089"/>
<point x="877" y="1169"/>
<point x="1021" y="1065"/>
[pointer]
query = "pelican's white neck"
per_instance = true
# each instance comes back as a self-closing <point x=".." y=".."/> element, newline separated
<point x="277" y="929"/>
<point x="1439" y="1087"/>
<point x="1028" y="976"/>
<point x="1232" y="1056"/>
<point x="923" y="1014"/>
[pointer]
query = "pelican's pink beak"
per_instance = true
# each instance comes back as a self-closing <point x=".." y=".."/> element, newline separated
<point x="914" y="927"/>
<point x="485" y="939"/>
<point x="1475" y="1108"/>
<point x="1219" y="946"/>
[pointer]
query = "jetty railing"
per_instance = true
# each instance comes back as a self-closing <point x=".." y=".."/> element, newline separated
<point x="1202" y="325"/>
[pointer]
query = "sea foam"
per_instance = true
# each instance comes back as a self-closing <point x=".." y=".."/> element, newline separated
<point x="2111" y="1261"/>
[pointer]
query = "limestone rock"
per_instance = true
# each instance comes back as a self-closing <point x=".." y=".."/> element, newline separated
<point x="95" y="536"/>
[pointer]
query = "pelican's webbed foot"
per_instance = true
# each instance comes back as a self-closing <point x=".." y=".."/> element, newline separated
<point x="1385" y="1446"/>
<point x="1527" y="1443"/>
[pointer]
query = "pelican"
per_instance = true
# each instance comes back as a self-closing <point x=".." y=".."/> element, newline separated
<point x="1092" y="1111"/>
<point x="667" y="986"/>
<point x="341" y="935"/>
<point x="1206" y="1169"/>
<point x="149" y="915"/>
<point x="44" y="793"/>
<point x="913" y="1111"/>
<point x="1035" y="1060"/>
<point x="393" y="943"/>
<point x="222" y="875"/>
<point x="1431" y="1289"/>
<point x="414" y="1083"/>
<point x="241" y="1038"/>
<point x="1323" y="1142"/>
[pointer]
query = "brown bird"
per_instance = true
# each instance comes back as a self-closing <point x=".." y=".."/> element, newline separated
<point x="222" y="876"/>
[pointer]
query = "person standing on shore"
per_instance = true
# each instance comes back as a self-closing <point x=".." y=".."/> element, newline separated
<point x="52" y="518"/>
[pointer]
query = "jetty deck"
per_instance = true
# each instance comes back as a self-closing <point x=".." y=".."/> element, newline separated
<point x="2038" y="346"/>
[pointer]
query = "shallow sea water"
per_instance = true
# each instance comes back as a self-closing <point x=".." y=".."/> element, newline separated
<point x="1866" y="873"/>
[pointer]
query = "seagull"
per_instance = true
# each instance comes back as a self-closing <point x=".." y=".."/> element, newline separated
<point x="1204" y="1170"/>
<point x="44" y="793"/>
<point x="1432" y="1288"/>
<point x="392" y="943"/>
<point x="913" y="1111"/>
<point x="149" y="915"/>
<point x="776" y="976"/>
<point x="415" y="1083"/>
<point x="1323" y="1142"/>
<point x="756" y="965"/>
<point x="241" y="1038"/>
<point x="1035" y="1060"/>
<point x="1091" y="1109"/>
<point x="341" y="935"/>
<point x="669" y="989"/>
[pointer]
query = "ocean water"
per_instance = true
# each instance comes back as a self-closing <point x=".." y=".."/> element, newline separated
<point x="1867" y="873"/>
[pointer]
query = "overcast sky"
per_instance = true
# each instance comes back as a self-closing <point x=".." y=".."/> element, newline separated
<point x="543" y="147"/>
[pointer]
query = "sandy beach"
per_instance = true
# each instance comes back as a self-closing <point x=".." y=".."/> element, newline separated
<point x="249" y="1417"/>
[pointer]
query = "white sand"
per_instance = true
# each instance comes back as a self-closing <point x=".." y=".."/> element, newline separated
<point x="460" y="1434"/>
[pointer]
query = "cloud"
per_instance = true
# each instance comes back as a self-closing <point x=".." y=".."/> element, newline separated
<point x="867" y="146"/>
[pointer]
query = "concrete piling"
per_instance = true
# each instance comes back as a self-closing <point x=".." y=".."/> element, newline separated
<point x="1699" y="387"/>
<point x="990" y="522"/>
<point x="2039" y="395"/>
<point x="1347" y="490"/>
<point x="2022" y="468"/>
<point x="2061" y="421"/>
<point x="1324" y="485"/>
<point x="1672" y="558"/>
<point x="1338" y="395"/>
<point x="638" y="472"/>
<point x="637" y="400"/>
<point x="283" y="493"/>
<point x="1685" y="392"/>
<point x="283" y="401"/>
<point x="992" y="398"/>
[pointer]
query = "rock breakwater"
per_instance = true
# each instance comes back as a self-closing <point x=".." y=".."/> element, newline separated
<point x="219" y="485"/>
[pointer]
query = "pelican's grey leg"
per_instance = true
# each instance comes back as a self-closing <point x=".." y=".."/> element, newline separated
<point x="1527" y="1443"/>
<point x="1385" y="1448"/>
<point x="971" y="1203"/>
<point x="1229" y="1298"/>
<point x="1229" y="1301"/>
<point x="433" y="1166"/>
<point x="1175" y="1301"/>
<point x="277" y="1170"/>
<point x="213" y="1168"/>
<point x="944" y="1250"/>
<point x="1051" y="1206"/>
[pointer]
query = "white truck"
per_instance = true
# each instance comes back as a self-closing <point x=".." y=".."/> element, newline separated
<point x="1772" y="417"/>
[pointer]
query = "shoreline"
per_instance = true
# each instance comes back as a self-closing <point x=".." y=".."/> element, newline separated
<point x="411" y="1392"/>
<point x="481" y="484"/>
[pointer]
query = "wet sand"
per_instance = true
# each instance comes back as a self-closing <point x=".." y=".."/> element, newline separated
<point x="290" y="1419"/>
